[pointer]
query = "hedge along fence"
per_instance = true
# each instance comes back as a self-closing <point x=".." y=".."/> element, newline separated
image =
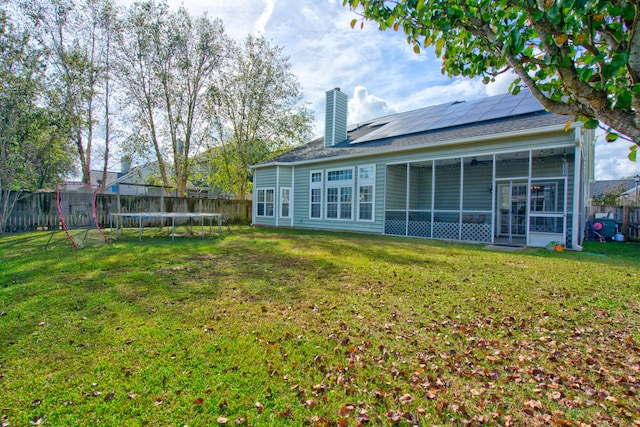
<point x="38" y="211"/>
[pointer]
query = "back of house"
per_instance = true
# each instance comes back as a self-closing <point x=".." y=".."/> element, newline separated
<point x="498" y="170"/>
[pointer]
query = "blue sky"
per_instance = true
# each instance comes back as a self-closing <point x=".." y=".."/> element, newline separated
<point x="377" y="70"/>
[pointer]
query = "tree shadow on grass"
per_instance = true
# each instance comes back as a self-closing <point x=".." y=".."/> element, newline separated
<point x="144" y="280"/>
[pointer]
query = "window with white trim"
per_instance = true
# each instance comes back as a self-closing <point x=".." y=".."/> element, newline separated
<point x="315" y="195"/>
<point x="366" y="186"/>
<point x="339" y="203"/>
<point x="285" y="204"/>
<point x="265" y="202"/>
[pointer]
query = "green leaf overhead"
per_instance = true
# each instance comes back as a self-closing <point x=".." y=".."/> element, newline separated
<point x="579" y="58"/>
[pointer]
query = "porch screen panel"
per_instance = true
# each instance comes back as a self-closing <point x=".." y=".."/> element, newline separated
<point x="477" y="184"/>
<point x="446" y="216"/>
<point x="552" y="163"/>
<point x="420" y="187"/>
<point x="512" y="165"/>
<point x="395" y="221"/>
<point x="420" y="190"/>
<point x="447" y="188"/>
<point x="477" y="193"/>
<point x="396" y="187"/>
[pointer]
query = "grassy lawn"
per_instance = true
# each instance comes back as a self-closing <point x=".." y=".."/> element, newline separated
<point x="269" y="327"/>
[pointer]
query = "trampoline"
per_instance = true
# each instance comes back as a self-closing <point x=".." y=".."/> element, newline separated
<point x="141" y="216"/>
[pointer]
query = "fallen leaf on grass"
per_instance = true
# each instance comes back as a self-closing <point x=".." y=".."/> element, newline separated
<point x="285" y="414"/>
<point x="109" y="396"/>
<point x="406" y="399"/>
<point x="36" y="421"/>
<point x="555" y="395"/>
<point x="346" y="409"/>
<point x="198" y="401"/>
<point x="222" y="420"/>
<point x="394" y="417"/>
<point x="535" y="404"/>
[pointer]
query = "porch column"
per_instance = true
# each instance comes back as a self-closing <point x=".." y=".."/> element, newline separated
<point x="578" y="208"/>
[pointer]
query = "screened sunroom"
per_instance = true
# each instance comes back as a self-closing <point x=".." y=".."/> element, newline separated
<point x="517" y="198"/>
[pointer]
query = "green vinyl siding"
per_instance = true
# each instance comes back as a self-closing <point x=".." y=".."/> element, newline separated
<point x="396" y="187"/>
<point x="447" y="189"/>
<point x="420" y="186"/>
<point x="477" y="186"/>
<point x="404" y="184"/>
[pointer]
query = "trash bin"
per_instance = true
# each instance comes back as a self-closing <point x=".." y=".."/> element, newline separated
<point x="607" y="228"/>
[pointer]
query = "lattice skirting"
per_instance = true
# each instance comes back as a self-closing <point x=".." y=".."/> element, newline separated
<point x="420" y="228"/>
<point x="476" y="232"/>
<point x="441" y="230"/>
<point x="395" y="227"/>
<point x="446" y="230"/>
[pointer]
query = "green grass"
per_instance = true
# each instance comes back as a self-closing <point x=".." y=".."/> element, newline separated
<point x="267" y="327"/>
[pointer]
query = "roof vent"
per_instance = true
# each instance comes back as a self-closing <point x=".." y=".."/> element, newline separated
<point x="335" y="125"/>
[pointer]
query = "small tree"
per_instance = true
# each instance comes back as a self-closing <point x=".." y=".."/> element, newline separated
<point x="578" y="58"/>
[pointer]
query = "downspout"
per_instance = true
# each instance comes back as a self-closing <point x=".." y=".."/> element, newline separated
<point x="494" y="210"/>
<point x="276" y="197"/>
<point x="407" y="203"/>
<point x="528" y="204"/>
<point x="461" y="201"/>
<point x="291" y="196"/>
<point x="254" y="209"/>
<point x="578" y="190"/>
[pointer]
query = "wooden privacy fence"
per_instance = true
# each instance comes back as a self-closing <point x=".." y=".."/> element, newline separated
<point x="38" y="211"/>
<point x="627" y="216"/>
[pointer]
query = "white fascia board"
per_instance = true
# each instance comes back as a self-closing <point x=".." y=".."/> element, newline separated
<point x="461" y="141"/>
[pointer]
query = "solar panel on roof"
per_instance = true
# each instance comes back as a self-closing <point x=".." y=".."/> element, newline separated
<point x="452" y="114"/>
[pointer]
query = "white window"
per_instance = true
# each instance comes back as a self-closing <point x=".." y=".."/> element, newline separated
<point x="265" y="203"/>
<point x="339" y="202"/>
<point x="366" y="186"/>
<point x="285" y="204"/>
<point x="315" y="195"/>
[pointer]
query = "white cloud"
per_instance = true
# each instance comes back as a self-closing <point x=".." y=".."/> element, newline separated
<point x="364" y="106"/>
<point x="262" y="21"/>
<point x="460" y="89"/>
<point x="612" y="161"/>
<point x="502" y="83"/>
<point x="325" y="52"/>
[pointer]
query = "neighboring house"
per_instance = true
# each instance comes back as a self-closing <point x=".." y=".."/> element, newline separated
<point x="136" y="181"/>
<point x="619" y="192"/>
<point x="497" y="170"/>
